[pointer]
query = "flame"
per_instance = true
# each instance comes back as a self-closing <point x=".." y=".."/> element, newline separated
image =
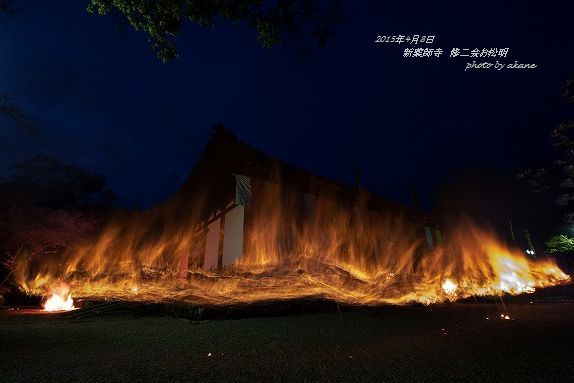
<point x="60" y="300"/>
<point x="346" y="254"/>
<point x="449" y="287"/>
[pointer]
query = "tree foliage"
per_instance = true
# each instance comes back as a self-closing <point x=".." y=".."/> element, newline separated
<point x="49" y="182"/>
<point x="45" y="205"/>
<point x="560" y="244"/>
<point x="558" y="178"/>
<point x="275" y="22"/>
<point x="6" y="7"/>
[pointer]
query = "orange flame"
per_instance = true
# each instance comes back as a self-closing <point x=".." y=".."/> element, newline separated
<point x="349" y="255"/>
<point x="60" y="300"/>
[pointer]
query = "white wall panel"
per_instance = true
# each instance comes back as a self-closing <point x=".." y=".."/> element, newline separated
<point x="233" y="235"/>
<point x="212" y="245"/>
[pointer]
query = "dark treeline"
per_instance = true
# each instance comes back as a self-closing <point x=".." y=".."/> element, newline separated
<point x="45" y="205"/>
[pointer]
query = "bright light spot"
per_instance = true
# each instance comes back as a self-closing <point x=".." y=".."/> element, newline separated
<point x="58" y="303"/>
<point x="514" y="284"/>
<point x="449" y="287"/>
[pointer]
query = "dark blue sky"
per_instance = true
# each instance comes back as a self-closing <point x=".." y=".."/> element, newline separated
<point x="104" y="102"/>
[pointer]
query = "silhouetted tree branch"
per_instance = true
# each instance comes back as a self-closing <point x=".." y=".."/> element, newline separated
<point x="6" y="7"/>
<point x="8" y="106"/>
<point x="13" y="110"/>
<point x="275" y="22"/>
<point x="559" y="178"/>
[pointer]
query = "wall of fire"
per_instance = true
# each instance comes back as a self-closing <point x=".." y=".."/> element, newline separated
<point x="219" y="241"/>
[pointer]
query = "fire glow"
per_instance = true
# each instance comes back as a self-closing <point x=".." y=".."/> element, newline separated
<point x="59" y="300"/>
<point x="348" y="256"/>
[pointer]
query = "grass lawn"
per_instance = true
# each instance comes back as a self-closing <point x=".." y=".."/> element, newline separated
<point x="453" y="342"/>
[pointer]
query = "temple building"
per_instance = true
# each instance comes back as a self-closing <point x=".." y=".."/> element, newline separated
<point x="240" y="190"/>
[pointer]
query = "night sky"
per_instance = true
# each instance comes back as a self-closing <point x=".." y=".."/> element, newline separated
<point x="104" y="102"/>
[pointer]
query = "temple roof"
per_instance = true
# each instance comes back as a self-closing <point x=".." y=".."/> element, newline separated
<point x="226" y="155"/>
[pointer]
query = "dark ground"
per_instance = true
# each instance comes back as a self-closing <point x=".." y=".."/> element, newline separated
<point x="451" y="342"/>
